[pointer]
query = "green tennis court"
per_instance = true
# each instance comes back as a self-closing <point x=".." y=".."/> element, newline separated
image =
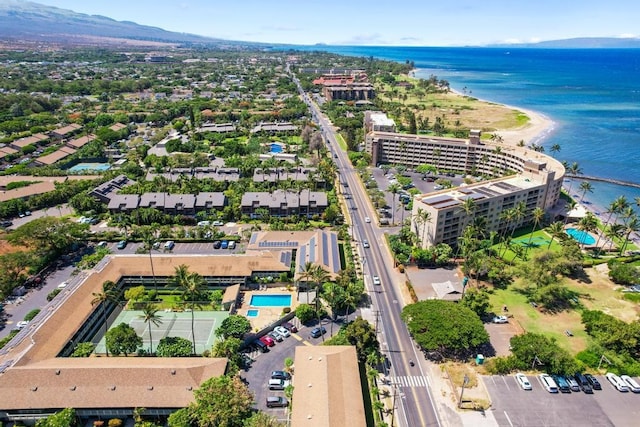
<point x="174" y="324"/>
<point x="534" y="242"/>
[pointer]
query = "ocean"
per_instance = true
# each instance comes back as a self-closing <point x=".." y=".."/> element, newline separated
<point x="592" y="95"/>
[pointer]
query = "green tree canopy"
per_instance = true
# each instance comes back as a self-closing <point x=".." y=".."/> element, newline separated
<point x="84" y="349"/>
<point x="361" y="334"/>
<point x="229" y="348"/>
<point x="173" y="347"/>
<point x="221" y="402"/>
<point x="234" y="326"/>
<point x="64" y="418"/>
<point x="122" y="340"/>
<point x="445" y="327"/>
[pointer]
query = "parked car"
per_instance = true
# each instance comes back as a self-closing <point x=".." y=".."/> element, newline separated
<point x="280" y="375"/>
<point x="232" y="244"/>
<point x="282" y="331"/>
<point x="268" y="340"/>
<point x="500" y="319"/>
<point x="203" y="223"/>
<point x="290" y="326"/>
<point x="617" y="382"/>
<point x="102" y="244"/>
<point x="277" y="402"/>
<point x="275" y="384"/>
<point x="548" y="383"/>
<point x="217" y="244"/>
<point x="573" y="384"/>
<point x="584" y="383"/>
<point x="523" y="381"/>
<point x="376" y="280"/>
<point x="276" y="336"/>
<point x="260" y="345"/>
<point x="122" y="244"/>
<point x="318" y="331"/>
<point x="224" y="244"/>
<point x="169" y="245"/>
<point x="22" y="324"/>
<point x="593" y="381"/>
<point x="217" y="223"/>
<point x="631" y="383"/>
<point x="563" y="385"/>
<point x="62" y="285"/>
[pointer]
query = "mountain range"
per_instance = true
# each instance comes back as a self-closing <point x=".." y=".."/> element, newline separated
<point x="22" y="20"/>
<point x="25" y="20"/>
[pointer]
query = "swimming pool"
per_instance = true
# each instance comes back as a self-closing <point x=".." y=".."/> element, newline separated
<point x="97" y="167"/>
<point x="276" y="148"/>
<point x="270" y="301"/>
<point x="580" y="236"/>
<point x="253" y="312"/>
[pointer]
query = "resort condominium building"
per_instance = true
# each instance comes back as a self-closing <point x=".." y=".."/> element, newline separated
<point x="535" y="180"/>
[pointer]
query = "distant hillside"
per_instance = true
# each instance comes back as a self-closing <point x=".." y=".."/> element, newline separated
<point x="32" y="21"/>
<point x="582" y="43"/>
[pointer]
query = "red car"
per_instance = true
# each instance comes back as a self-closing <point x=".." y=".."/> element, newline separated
<point x="268" y="340"/>
<point x="290" y="327"/>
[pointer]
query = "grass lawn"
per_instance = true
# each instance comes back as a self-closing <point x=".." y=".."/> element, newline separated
<point x="539" y="241"/>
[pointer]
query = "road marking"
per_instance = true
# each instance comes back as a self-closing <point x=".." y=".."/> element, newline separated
<point x="296" y="336"/>
<point x="409" y="380"/>
<point x="508" y="419"/>
<point x="307" y="343"/>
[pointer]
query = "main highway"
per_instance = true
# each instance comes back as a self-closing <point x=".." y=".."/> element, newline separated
<point x="414" y="405"/>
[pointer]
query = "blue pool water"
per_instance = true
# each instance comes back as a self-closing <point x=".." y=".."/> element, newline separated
<point x="580" y="236"/>
<point x="81" y="167"/>
<point x="276" y="148"/>
<point x="253" y="312"/>
<point x="270" y="301"/>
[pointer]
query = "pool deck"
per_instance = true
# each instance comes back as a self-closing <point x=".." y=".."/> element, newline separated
<point x="599" y="239"/>
<point x="266" y="315"/>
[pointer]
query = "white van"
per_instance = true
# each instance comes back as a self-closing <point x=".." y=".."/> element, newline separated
<point x="169" y="245"/>
<point x="617" y="382"/>
<point x="232" y="244"/>
<point x="548" y="383"/>
<point x="278" y="384"/>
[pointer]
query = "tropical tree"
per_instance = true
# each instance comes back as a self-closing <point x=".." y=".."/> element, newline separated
<point x="538" y="216"/>
<point x="614" y="208"/>
<point x="192" y="291"/>
<point x="234" y="326"/>
<point x="587" y="223"/>
<point x="586" y="187"/>
<point x="557" y="232"/>
<point x="333" y="294"/>
<point x="122" y="340"/>
<point x="102" y="298"/>
<point x="150" y="317"/>
<point x="632" y="225"/>
<point x="223" y="401"/>
<point x="306" y="275"/>
<point x="393" y="189"/>
<point x="573" y="170"/>
<point x="148" y="240"/>
<point x="555" y="148"/>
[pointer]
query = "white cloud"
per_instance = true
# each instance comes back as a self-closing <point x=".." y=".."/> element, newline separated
<point x="628" y="36"/>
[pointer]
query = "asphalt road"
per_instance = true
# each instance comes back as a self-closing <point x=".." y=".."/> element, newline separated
<point x="414" y="406"/>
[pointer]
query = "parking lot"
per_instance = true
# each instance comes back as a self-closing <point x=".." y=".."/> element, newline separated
<point x="179" y="248"/>
<point x="514" y="407"/>
<point x="258" y="375"/>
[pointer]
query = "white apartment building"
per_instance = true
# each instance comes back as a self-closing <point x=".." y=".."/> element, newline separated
<point x="536" y="180"/>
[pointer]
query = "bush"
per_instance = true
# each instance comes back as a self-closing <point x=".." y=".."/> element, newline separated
<point x="305" y="313"/>
<point x="502" y="365"/>
<point x="114" y="422"/>
<point x="286" y="310"/>
<point x="623" y="274"/>
<point x="53" y="294"/>
<point x="30" y="315"/>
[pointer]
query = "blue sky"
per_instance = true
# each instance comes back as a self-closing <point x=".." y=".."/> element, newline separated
<point x="371" y="22"/>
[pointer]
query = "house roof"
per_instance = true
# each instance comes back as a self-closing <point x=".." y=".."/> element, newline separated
<point x="450" y="291"/>
<point x="82" y="141"/>
<point x="58" y="155"/>
<point x="327" y="388"/>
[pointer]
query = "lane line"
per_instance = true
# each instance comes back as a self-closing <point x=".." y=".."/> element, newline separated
<point x="508" y="419"/>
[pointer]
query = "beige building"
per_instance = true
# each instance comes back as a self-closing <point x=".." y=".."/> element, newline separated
<point x="536" y="180"/>
<point x="327" y="390"/>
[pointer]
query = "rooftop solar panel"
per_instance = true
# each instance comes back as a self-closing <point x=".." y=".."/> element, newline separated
<point x="447" y="204"/>
<point x="325" y="249"/>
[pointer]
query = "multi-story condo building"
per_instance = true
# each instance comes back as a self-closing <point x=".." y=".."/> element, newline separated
<point x="283" y="203"/>
<point x="536" y="180"/>
<point x="376" y="121"/>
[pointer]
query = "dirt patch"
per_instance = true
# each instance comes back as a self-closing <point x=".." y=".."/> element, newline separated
<point x="6" y="248"/>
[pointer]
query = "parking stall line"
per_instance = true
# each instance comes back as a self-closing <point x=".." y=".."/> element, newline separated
<point x="296" y="336"/>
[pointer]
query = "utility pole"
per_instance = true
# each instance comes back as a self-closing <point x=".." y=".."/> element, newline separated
<point x="377" y="314"/>
<point x="393" y="407"/>
<point x="464" y="384"/>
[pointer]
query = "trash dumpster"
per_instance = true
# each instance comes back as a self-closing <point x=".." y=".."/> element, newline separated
<point x="479" y="359"/>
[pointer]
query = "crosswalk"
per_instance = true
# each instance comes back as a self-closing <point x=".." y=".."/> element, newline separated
<point x="409" y="381"/>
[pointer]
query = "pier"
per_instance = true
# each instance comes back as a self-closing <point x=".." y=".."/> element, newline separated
<point x="609" y="180"/>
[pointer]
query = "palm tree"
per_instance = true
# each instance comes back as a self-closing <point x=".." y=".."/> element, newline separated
<point x="107" y="295"/>
<point x="423" y="217"/>
<point x="319" y="276"/>
<point x="586" y="187"/>
<point x="192" y="288"/>
<point x="570" y="206"/>
<point x="631" y="226"/>
<point x="555" y="148"/>
<point x="538" y="215"/>
<point x="148" y="240"/>
<point x="587" y="223"/>
<point x="557" y="232"/>
<point x="573" y="170"/>
<point x="468" y="207"/>
<point x="393" y="189"/>
<point x="615" y="207"/>
<point x="305" y="275"/>
<point x="150" y="317"/>
<point x="437" y="153"/>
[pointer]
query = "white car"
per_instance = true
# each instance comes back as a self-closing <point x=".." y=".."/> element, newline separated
<point x="523" y="381"/>
<point x="21" y="324"/>
<point x="62" y="285"/>
<point x="617" y="382"/>
<point x="633" y="385"/>
<point x="376" y="280"/>
<point x="367" y="219"/>
<point x="548" y="383"/>
<point x="500" y="319"/>
<point x="282" y="331"/>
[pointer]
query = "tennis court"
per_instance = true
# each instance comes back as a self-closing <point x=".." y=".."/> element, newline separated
<point x="174" y="324"/>
<point x="534" y="242"/>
